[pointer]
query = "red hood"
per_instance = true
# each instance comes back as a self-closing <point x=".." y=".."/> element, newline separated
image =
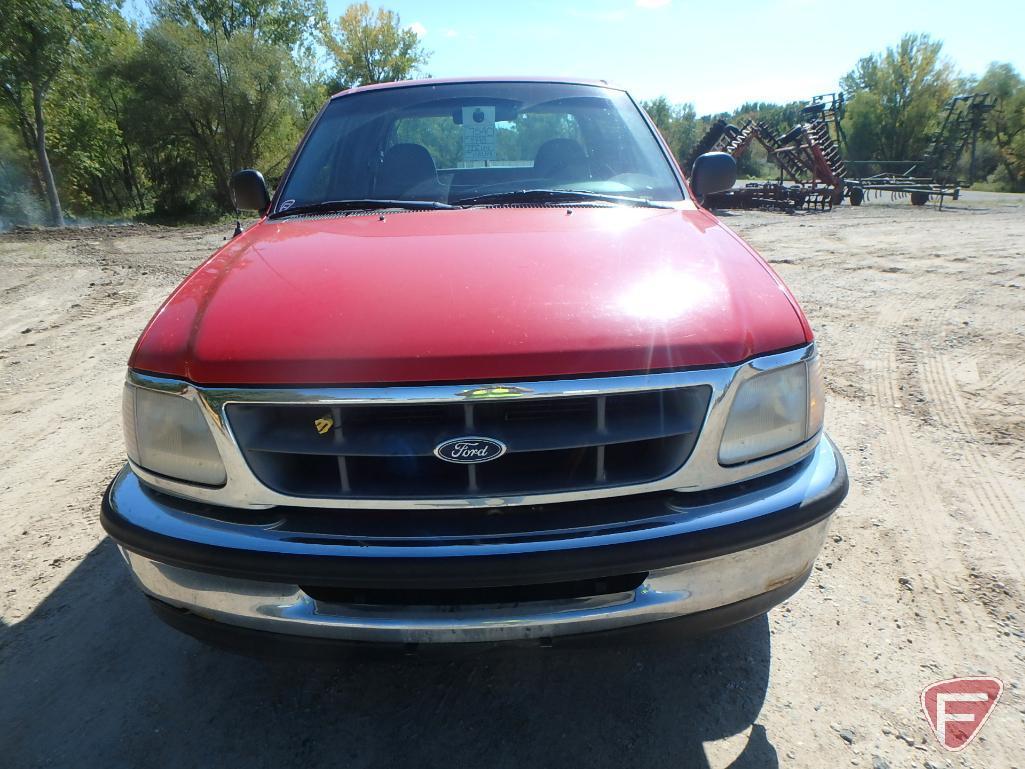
<point x="471" y="295"/>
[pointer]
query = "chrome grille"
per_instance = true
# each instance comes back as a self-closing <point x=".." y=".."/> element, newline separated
<point x="386" y="451"/>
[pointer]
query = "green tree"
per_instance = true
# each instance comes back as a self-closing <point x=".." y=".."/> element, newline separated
<point x="38" y="39"/>
<point x="662" y="114"/>
<point x="895" y="98"/>
<point x="678" y="124"/>
<point x="1007" y="124"/>
<point x="97" y="162"/>
<point x="292" y="24"/>
<point x="780" y="118"/>
<point x="231" y="101"/>
<point x="282" y="22"/>
<point x="371" y="47"/>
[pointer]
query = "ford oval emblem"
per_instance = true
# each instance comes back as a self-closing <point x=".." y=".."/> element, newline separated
<point x="469" y="450"/>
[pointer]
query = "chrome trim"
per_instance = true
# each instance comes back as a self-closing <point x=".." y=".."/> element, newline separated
<point x="666" y="593"/>
<point x="701" y="471"/>
<point x="271" y="532"/>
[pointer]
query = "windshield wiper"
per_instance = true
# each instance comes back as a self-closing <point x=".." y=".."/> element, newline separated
<point x="330" y="206"/>
<point x="554" y="196"/>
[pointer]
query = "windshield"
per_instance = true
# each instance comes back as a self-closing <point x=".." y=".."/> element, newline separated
<point x="451" y="143"/>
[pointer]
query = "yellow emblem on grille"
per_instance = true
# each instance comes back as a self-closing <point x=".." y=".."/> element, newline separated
<point x="324" y="424"/>
<point x="495" y="391"/>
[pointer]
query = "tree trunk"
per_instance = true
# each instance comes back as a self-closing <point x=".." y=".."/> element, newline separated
<point x="56" y="215"/>
<point x="25" y="127"/>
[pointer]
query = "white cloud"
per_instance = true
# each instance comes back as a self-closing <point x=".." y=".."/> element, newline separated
<point x="451" y="33"/>
<point x="419" y="28"/>
<point x="652" y="3"/>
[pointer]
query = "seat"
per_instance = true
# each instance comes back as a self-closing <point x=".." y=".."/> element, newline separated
<point x="561" y="160"/>
<point x="408" y="172"/>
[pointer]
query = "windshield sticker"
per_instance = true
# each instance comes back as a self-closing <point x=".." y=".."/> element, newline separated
<point x="478" y="134"/>
<point x="285" y="205"/>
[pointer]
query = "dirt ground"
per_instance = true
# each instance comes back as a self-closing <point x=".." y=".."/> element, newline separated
<point x="920" y="314"/>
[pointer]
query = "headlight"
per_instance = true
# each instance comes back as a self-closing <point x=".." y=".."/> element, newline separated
<point x="773" y="412"/>
<point x="167" y="434"/>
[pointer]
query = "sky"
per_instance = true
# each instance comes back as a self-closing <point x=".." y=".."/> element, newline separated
<point x="715" y="54"/>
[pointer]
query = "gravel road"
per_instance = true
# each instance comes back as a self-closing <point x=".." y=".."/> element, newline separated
<point x="920" y="314"/>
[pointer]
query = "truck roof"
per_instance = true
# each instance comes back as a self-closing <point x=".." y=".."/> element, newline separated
<point x="476" y="79"/>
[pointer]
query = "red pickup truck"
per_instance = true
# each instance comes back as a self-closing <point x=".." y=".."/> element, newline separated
<point x="484" y="370"/>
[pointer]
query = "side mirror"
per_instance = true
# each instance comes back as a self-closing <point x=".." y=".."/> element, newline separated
<point x="250" y="191"/>
<point x="713" y="172"/>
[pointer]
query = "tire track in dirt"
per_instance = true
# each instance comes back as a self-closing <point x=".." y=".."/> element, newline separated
<point x="993" y="504"/>
<point x="904" y="459"/>
<point x="950" y="629"/>
<point x="875" y="348"/>
<point x="1000" y="393"/>
<point x="1010" y="375"/>
<point x="945" y="406"/>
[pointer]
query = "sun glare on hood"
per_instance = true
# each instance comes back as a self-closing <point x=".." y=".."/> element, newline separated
<point x="664" y="295"/>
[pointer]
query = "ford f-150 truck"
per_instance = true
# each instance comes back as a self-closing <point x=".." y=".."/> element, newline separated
<point x="484" y="370"/>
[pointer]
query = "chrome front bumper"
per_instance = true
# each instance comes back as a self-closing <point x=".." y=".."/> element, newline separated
<point x="666" y="593"/>
<point x="750" y="556"/>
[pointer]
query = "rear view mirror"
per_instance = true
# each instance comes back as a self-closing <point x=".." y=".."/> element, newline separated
<point x="713" y="172"/>
<point x="250" y="191"/>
